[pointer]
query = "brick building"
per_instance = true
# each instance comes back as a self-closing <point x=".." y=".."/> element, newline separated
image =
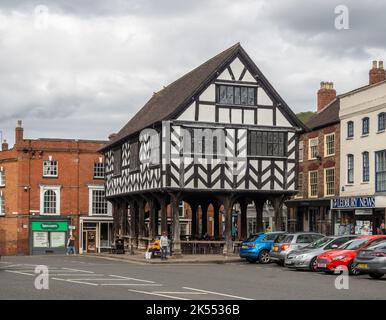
<point x="48" y="189"/>
<point x="318" y="179"/>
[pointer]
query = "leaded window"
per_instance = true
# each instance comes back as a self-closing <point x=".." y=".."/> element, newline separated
<point x="266" y="143"/>
<point x="236" y="95"/>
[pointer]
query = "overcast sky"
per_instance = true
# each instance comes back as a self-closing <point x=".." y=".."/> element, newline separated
<point x="83" y="69"/>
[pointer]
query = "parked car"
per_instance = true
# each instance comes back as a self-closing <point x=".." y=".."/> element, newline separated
<point x="372" y="260"/>
<point x="305" y="258"/>
<point x="257" y="247"/>
<point x="289" y="242"/>
<point x="345" y="254"/>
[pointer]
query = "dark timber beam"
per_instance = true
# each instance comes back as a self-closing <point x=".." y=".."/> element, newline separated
<point x="216" y="221"/>
<point x="259" y="206"/>
<point x="243" y="228"/>
<point x="175" y="204"/>
<point x="141" y="223"/>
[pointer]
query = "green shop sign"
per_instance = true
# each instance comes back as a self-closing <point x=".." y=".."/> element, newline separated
<point x="49" y="225"/>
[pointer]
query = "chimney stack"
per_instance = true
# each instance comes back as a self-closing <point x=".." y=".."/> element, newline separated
<point x="377" y="73"/>
<point x="326" y="94"/>
<point x="4" y="145"/>
<point x="19" y="132"/>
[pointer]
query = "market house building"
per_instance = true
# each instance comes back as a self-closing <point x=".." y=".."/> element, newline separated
<point x="250" y="154"/>
<point x="319" y="166"/>
<point x="360" y="207"/>
<point x="50" y="188"/>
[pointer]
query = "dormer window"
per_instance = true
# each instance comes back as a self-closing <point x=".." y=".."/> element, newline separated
<point x="236" y="95"/>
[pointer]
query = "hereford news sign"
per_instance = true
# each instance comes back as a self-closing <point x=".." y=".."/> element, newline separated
<point x="353" y="203"/>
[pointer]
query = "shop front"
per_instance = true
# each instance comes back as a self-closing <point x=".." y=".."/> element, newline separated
<point x="361" y="215"/>
<point x="48" y="236"/>
<point x="95" y="235"/>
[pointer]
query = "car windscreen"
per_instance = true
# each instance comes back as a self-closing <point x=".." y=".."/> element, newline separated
<point x="354" y="244"/>
<point x="284" y="238"/>
<point x="320" y="243"/>
<point x="252" y="238"/>
<point x="378" y="246"/>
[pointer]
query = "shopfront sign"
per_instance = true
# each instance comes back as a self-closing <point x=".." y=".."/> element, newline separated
<point x="353" y="203"/>
<point x="363" y="212"/>
<point x="49" y="225"/>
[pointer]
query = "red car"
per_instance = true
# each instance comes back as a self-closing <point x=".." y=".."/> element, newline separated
<point x="345" y="254"/>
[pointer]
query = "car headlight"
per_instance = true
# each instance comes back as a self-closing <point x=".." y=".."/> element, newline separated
<point x="338" y="258"/>
<point x="301" y="256"/>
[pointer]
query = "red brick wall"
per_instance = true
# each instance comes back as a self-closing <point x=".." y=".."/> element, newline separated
<point x="310" y="165"/>
<point x="23" y="167"/>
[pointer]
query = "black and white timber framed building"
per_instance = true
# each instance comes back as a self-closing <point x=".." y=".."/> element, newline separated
<point x="226" y="103"/>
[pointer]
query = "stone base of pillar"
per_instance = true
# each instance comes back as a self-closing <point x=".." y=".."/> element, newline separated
<point x="176" y="250"/>
<point x="228" y="248"/>
<point x="142" y="245"/>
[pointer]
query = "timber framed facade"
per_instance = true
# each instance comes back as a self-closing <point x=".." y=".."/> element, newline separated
<point x="219" y="135"/>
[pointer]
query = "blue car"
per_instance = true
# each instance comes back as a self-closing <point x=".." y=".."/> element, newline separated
<point x="257" y="247"/>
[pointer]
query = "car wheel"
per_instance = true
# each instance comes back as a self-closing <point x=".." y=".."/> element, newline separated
<point x="376" y="275"/>
<point x="313" y="265"/>
<point x="352" y="269"/>
<point x="250" y="260"/>
<point x="264" y="257"/>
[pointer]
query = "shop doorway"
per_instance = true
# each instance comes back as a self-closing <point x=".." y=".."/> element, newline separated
<point x="89" y="241"/>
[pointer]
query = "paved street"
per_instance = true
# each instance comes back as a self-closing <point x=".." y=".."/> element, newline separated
<point x="80" y="277"/>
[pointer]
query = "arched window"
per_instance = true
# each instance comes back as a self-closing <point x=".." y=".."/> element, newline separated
<point x="350" y="129"/>
<point x="365" y="167"/>
<point x="365" y="125"/>
<point x="49" y="202"/>
<point x="381" y="121"/>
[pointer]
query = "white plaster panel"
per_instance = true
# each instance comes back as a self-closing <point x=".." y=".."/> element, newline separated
<point x="265" y="117"/>
<point x="263" y="98"/>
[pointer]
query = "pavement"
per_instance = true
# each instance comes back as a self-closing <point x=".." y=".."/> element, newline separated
<point x="95" y="278"/>
<point x="199" y="258"/>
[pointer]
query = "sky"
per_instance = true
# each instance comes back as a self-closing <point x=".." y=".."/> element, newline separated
<point x="82" y="68"/>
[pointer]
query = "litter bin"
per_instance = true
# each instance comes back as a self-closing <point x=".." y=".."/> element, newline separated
<point x="119" y="246"/>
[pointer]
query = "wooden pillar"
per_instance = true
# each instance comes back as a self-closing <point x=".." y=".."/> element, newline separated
<point x="152" y="218"/>
<point x="216" y="221"/>
<point x="259" y="206"/>
<point x="194" y="228"/>
<point x="228" y="200"/>
<point x="243" y="223"/>
<point x="175" y="203"/>
<point x="277" y="203"/>
<point x="133" y="224"/>
<point x="164" y="216"/>
<point x="141" y="224"/>
<point x="204" y="214"/>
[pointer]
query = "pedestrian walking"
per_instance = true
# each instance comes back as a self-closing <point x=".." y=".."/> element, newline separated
<point x="71" y="245"/>
<point x="164" y="242"/>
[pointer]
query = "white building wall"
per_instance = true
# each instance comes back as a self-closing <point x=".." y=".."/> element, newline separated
<point x="355" y="107"/>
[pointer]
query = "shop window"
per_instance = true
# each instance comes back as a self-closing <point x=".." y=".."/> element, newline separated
<point x="329" y="175"/>
<point x="365" y="126"/>
<point x="313" y="148"/>
<point x="329" y="143"/>
<point x="313" y="182"/>
<point x="99" y="170"/>
<point x="50" y="200"/>
<point x="350" y="168"/>
<point x="50" y="168"/>
<point x="380" y="171"/>
<point x="365" y="167"/>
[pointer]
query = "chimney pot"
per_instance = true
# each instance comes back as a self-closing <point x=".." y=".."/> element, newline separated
<point x="4" y="145"/>
<point x="325" y="94"/>
<point x="377" y="74"/>
<point x="375" y="64"/>
<point x="380" y="65"/>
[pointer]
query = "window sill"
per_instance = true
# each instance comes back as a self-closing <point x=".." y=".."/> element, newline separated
<point x="99" y="178"/>
<point x="51" y="177"/>
<point x="49" y="214"/>
<point x="365" y="182"/>
<point x="351" y="184"/>
<point x="381" y="131"/>
<point x="364" y="135"/>
<point x="329" y="195"/>
<point x="329" y="155"/>
<point x="117" y="175"/>
<point x="350" y="138"/>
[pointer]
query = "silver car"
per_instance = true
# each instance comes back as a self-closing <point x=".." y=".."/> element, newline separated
<point x="288" y="242"/>
<point x="305" y="258"/>
<point x="372" y="260"/>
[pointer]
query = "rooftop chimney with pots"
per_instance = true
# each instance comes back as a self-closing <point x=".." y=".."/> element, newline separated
<point x="4" y="145"/>
<point x="326" y="94"/>
<point x="377" y="73"/>
<point x="19" y="132"/>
